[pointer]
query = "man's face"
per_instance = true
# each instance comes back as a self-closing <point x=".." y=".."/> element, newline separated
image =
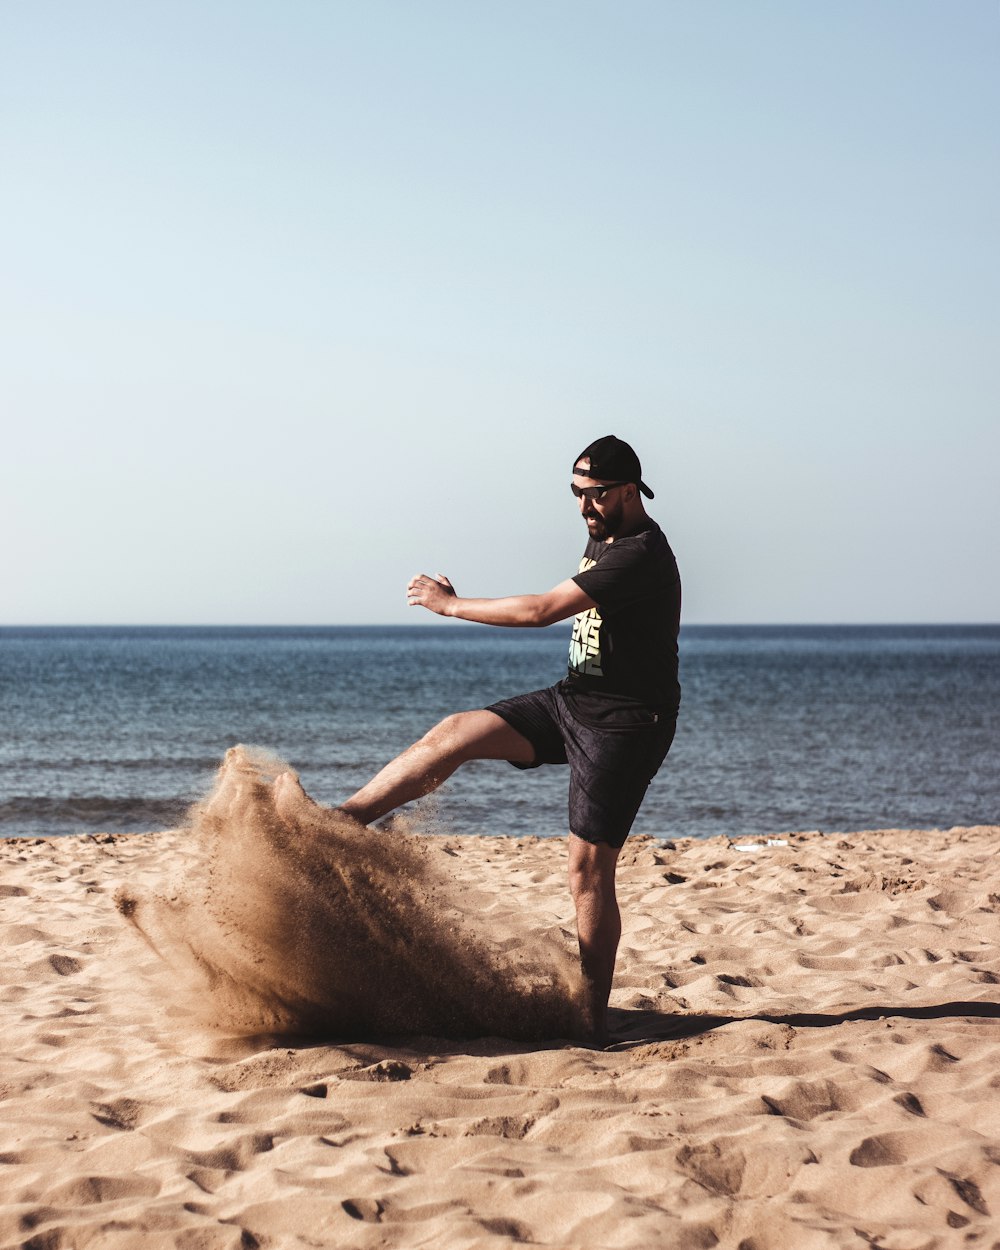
<point x="603" y="516"/>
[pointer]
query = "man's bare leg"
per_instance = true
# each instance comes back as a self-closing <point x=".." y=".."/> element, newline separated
<point x="598" y="922"/>
<point x="477" y="735"/>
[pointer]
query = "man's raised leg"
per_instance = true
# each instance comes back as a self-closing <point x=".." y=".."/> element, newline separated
<point x="464" y="736"/>
<point x="598" y="921"/>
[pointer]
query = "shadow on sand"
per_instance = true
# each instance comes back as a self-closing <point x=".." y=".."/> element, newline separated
<point x="636" y="1028"/>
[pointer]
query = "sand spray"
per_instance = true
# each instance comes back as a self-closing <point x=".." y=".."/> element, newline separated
<point x="314" y="924"/>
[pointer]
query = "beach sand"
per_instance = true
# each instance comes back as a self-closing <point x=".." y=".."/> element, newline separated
<point x="805" y="1054"/>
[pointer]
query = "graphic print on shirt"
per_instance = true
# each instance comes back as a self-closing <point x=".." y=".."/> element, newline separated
<point x="585" y="644"/>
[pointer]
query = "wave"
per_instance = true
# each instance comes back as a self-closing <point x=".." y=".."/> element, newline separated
<point x="40" y="815"/>
<point x="158" y="763"/>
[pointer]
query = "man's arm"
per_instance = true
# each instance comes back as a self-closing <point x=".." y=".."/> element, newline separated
<point x="438" y="595"/>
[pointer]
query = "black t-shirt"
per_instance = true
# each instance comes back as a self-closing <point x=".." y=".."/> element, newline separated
<point x="623" y="653"/>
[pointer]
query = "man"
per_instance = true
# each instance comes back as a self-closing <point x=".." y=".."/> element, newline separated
<point x="611" y="718"/>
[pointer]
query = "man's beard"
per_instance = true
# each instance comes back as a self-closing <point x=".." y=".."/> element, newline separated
<point x="604" y="527"/>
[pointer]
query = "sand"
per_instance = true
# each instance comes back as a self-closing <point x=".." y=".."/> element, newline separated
<point x="805" y="1054"/>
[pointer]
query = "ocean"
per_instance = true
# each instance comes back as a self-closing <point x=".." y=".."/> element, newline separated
<point x="781" y="728"/>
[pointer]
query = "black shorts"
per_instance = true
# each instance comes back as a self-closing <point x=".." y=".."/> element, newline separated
<point x="610" y="770"/>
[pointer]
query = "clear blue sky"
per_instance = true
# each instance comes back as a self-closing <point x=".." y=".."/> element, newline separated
<point x="300" y="298"/>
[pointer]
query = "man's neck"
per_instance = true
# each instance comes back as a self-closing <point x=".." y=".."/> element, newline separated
<point x="632" y="525"/>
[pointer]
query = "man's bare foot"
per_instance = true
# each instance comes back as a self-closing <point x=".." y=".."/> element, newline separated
<point x="599" y="1039"/>
<point x="291" y="802"/>
<point x="594" y="1012"/>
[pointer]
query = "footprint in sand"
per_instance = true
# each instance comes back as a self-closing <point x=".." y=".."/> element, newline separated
<point x="123" y="1113"/>
<point x="806" y="1100"/>
<point x="237" y="1155"/>
<point x="369" y="1210"/>
<point x="65" y="965"/>
<point x="87" y="1190"/>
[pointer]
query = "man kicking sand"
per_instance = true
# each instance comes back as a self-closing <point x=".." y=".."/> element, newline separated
<point x="611" y="719"/>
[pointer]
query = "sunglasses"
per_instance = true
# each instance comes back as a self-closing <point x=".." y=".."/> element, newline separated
<point x="593" y="493"/>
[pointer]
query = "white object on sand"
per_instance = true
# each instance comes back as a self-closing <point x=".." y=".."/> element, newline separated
<point x="758" y="846"/>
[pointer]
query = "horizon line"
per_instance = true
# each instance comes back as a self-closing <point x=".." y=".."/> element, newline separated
<point x="443" y="623"/>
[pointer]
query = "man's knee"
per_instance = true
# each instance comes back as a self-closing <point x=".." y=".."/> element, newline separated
<point x="591" y="867"/>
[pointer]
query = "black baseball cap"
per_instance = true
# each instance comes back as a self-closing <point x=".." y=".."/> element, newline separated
<point x="613" y="459"/>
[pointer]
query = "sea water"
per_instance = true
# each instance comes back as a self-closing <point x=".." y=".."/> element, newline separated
<point x="781" y="728"/>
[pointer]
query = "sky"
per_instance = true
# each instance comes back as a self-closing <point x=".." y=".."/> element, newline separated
<point x="299" y="299"/>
